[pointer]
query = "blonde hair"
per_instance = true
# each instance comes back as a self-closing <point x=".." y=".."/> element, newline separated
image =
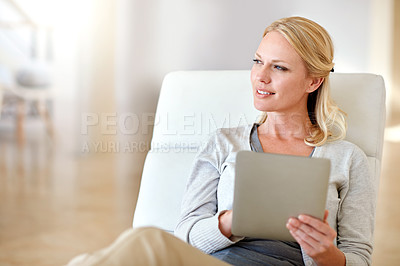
<point x="314" y="45"/>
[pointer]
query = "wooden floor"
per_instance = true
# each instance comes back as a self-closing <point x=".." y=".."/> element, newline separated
<point x="56" y="203"/>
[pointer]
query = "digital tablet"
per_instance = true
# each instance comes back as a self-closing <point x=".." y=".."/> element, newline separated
<point x="271" y="188"/>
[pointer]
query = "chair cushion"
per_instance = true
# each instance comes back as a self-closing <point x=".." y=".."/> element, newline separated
<point x="193" y="104"/>
<point x="362" y="97"/>
<point x="162" y="187"/>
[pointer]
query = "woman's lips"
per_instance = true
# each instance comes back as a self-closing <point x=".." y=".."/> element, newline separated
<point x="263" y="93"/>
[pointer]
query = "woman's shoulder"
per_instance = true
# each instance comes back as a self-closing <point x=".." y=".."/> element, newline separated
<point x="230" y="138"/>
<point x="342" y="148"/>
<point x="238" y="131"/>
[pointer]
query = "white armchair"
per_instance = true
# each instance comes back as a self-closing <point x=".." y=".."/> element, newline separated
<point x="193" y="104"/>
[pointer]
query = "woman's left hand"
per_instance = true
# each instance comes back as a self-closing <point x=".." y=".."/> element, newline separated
<point x="316" y="238"/>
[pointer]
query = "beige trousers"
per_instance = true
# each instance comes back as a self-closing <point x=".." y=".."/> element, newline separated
<point x="147" y="246"/>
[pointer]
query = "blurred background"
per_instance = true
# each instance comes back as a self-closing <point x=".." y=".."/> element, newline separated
<point x="79" y="83"/>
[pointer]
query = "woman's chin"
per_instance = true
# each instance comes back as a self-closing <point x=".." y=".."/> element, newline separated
<point x="262" y="107"/>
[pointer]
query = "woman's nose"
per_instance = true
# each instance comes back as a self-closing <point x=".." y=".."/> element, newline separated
<point x="263" y="75"/>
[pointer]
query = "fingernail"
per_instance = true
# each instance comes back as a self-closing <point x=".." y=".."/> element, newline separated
<point x="301" y="217"/>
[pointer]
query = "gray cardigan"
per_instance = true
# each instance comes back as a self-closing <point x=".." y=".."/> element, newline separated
<point x="351" y="197"/>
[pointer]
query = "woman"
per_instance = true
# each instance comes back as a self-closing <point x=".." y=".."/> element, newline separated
<point x="290" y="80"/>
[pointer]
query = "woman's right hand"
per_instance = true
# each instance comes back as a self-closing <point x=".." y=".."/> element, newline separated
<point x="225" y="223"/>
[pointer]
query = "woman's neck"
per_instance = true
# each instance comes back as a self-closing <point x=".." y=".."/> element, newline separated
<point x="286" y="126"/>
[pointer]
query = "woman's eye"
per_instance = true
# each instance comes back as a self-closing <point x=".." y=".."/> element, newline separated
<point x="257" y="61"/>
<point x="280" y="67"/>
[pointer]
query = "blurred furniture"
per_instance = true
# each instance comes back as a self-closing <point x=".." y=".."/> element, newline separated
<point x="192" y="104"/>
<point x="26" y="96"/>
<point x="25" y="76"/>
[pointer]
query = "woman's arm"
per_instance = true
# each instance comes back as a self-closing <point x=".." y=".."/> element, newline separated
<point x="199" y="221"/>
<point x="355" y="216"/>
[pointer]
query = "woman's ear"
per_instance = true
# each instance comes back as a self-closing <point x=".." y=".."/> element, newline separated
<point x="314" y="84"/>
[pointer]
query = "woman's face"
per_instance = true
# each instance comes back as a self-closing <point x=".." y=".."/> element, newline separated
<point x="279" y="77"/>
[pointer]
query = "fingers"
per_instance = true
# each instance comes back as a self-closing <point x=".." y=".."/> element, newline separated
<point x="308" y="248"/>
<point x="309" y="236"/>
<point x="225" y="223"/>
<point x="326" y="215"/>
<point x="321" y="226"/>
<point x="315" y="237"/>
<point x="311" y="232"/>
<point x="304" y="230"/>
<point x="311" y="246"/>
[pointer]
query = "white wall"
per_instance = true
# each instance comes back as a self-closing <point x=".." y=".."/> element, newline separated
<point x="155" y="37"/>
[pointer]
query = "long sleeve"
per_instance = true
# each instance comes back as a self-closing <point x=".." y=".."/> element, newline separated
<point x="356" y="213"/>
<point x="198" y="223"/>
<point x="351" y="201"/>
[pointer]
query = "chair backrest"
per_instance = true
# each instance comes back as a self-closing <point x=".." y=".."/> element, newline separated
<point x="193" y="104"/>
